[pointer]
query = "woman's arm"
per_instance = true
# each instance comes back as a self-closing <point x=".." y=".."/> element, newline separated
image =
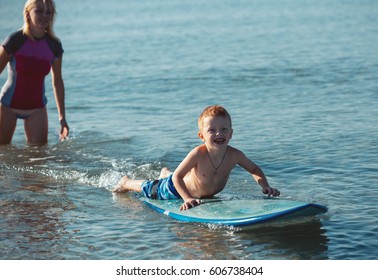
<point x="4" y="58"/>
<point x="59" y="92"/>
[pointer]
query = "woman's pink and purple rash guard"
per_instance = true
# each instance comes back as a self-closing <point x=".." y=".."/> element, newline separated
<point x="29" y="65"/>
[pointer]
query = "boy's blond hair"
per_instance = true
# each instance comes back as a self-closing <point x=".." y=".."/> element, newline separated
<point x="213" y="111"/>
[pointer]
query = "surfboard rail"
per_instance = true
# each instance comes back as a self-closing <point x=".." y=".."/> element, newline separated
<point x="236" y="213"/>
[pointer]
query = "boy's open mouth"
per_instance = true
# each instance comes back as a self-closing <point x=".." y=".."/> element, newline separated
<point x="219" y="141"/>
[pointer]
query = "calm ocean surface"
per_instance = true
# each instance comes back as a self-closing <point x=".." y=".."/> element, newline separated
<point x="299" y="77"/>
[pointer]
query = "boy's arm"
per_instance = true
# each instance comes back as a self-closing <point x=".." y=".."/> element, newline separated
<point x="258" y="175"/>
<point x="178" y="179"/>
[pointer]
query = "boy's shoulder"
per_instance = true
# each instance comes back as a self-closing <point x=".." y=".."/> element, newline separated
<point x="232" y="149"/>
<point x="235" y="152"/>
<point x="200" y="149"/>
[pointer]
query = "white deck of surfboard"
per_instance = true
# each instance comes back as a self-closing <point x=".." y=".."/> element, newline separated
<point x="237" y="213"/>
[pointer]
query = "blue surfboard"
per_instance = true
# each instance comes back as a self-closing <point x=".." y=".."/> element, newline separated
<point x="236" y="212"/>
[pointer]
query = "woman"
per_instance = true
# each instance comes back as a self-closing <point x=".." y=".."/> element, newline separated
<point x="30" y="54"/>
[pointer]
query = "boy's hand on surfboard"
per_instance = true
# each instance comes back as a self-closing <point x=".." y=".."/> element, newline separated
<point x="271" y="192"/>
<point x="190" y="203"/>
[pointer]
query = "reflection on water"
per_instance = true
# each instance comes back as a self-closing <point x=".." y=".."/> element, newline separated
<point x="31" y="219"/>
<point x="305" y="240"/>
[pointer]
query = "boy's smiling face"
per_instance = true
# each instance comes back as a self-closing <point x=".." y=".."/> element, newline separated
<point x="216" y="131"/>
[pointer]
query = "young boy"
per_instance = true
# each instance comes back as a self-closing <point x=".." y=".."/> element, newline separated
<point x="205" y="170"/>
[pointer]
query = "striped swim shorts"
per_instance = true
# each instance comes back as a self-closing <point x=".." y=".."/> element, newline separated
<point x="162" y="189"/>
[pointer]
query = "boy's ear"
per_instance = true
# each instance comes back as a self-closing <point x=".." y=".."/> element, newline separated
<point x="232" y="131"/>
<point x="200" y="135"/>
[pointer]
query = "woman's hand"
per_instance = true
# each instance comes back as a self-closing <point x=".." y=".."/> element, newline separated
<point x="64" y="130"/>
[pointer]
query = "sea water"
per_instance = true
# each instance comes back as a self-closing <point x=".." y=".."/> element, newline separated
<point x="299" y="78"/>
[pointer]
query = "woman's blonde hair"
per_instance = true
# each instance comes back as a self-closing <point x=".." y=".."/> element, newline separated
<point x="29" y="5"/>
